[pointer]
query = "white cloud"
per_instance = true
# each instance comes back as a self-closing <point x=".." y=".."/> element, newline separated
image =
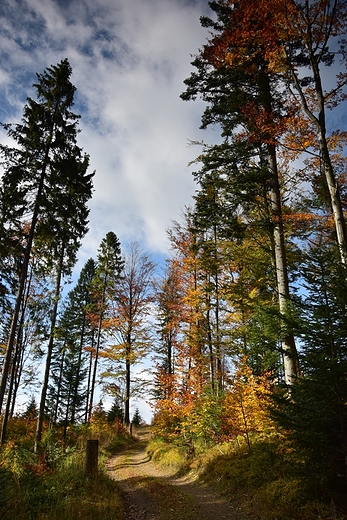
<point x="129" y="61"/>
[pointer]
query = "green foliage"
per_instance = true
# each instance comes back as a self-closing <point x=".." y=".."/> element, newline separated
<point x="31" y="410"/>
<point x="137" y="419"/>
<point x="314" y="415"/>
<point x="65" y="493"/>
<point x="44" y="192"/>
<point x="202" y="423"/>
<point x="107" y="275"/>
<point x="52" y="485"/>
<point x="46" y="175"/>
<point x="67" y="395"/>
<point x="115" y="412"/>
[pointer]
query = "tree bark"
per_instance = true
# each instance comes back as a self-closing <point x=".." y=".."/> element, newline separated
<point x="290" y="357"/>
<point x="39" y="426"/>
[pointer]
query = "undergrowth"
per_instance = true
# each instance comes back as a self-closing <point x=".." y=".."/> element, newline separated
<point x="52" y="484"/>
<point x="267" y="482"/>
<point x="166" y="454"/>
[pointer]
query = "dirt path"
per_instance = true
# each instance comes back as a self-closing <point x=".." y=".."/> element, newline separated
<point x="153" y="493"/>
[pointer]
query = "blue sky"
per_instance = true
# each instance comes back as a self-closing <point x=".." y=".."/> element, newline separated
<point x="129" y="60"/>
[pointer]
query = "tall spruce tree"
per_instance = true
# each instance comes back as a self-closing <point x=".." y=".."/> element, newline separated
<point x="45" y="178"/>
<point x="108" y="273"/>
<point x="316" y="416"/>
<point x="67" y="394"/>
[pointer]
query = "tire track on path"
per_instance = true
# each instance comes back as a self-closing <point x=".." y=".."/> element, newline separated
<point x="151" y="492"/>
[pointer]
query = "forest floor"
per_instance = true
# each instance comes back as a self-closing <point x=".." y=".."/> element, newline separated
<point x="151" y="492"/>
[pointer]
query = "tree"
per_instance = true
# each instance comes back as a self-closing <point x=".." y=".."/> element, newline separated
<point x="67" y="392"/>
<point x="315" y="419"/>
<point x="129" y="324"/>
<point x="169" y="298"/>
<point x="233" y="78"/>
<point x="137" y="419"/>
<point x="116" y="412"/>
<point x="194" y="359"/>
<point x="108" y="274"/>
<point x="45" y="179"/>
<point x="32" y="328"/>
<point x="317" y="25"/>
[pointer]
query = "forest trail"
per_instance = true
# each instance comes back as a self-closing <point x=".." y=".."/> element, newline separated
<point x="151" y="492"/>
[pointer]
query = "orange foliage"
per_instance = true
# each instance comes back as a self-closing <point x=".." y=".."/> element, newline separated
<point x="258" y="38"/>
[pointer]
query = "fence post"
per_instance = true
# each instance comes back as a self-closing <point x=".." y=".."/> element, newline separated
<point x="91" y="462"/>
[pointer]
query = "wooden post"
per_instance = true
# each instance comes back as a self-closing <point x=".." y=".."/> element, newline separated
<point x="91" y="462"/>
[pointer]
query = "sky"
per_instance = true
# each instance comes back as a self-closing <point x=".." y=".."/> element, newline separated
<point x="129" y="60"/>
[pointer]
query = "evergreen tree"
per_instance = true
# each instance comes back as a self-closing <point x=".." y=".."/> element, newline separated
<point x="316" y="415"/>
<point x="31" y="410"/>
<point x="137" y="419"/>
<point x="116" y="411"/>
<point x="67" y="392"/>
<point x="108" y="274"/>
<point x="46" y="181"/>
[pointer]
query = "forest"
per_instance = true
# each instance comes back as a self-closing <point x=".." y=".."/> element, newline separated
<point x="243" y="332"/>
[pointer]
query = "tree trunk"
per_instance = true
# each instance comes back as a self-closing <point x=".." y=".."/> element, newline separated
<point x="290" y="357"/>
<point x="97" y="348"/>
<point x="79" y="362"/>
<point x="89" y="381"/>
<point x="320" y="123"/>
<point x="20" y="293"/>
<point x="93" y="381"/>
<point x="340" y="225"/>
<point x="127" y="382"/>
<point x="24" y="269"/>
<point x="38" y="435"/>
<point x="61" y="368"/>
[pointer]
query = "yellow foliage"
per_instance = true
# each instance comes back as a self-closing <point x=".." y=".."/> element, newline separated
<point x="245" y="407"/>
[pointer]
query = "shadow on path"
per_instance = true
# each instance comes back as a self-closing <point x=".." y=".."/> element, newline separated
<point x="151" y="492"/>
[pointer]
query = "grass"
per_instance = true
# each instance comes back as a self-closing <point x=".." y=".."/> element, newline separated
<point x="265" y="483"/>
<point x="63" y="493"/>
<point x="52" y="485"/>
<point x="166" y="454"/>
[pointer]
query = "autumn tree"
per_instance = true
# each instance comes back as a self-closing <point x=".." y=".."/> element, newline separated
<point x="129" y="324"/>
<point x="193" y="359"/>
<point x="319" y="26"/>
<point x="233" y="77"/>
<point x="245" y="406"/>
<point x="169" y="300"/>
